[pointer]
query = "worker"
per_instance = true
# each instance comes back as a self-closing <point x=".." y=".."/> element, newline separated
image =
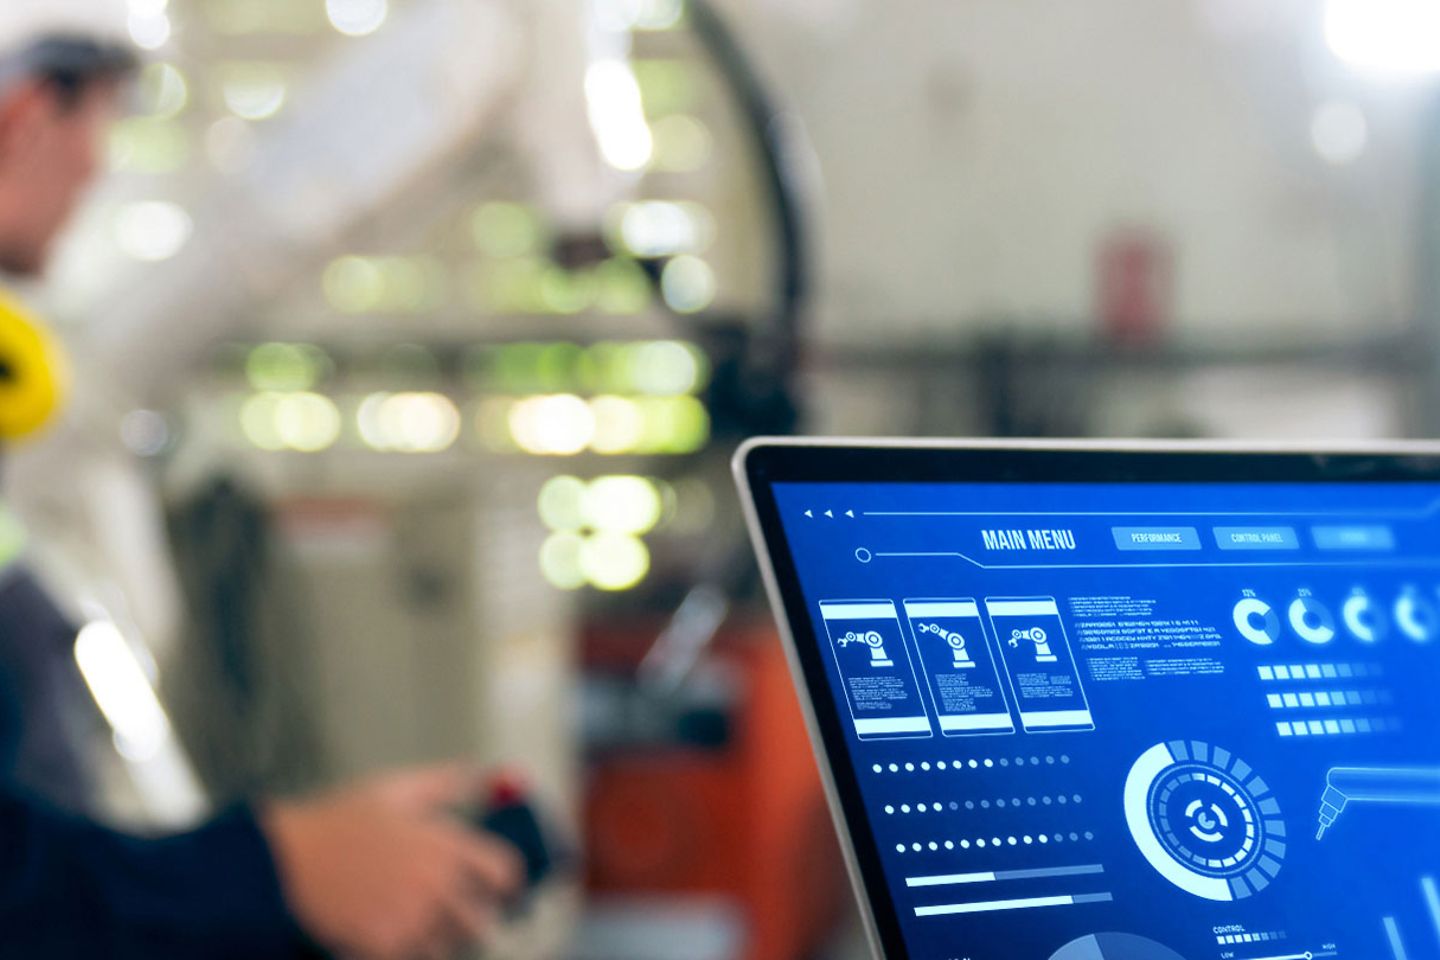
<point x="381" y="869"/>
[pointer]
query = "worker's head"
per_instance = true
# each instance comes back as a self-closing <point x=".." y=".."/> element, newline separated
<point x="62" y="72"/>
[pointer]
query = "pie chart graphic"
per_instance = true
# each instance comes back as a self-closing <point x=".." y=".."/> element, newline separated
<point x="1257" y="621"/>
<point x="1114" y="946"/>
<point x="1311" y="621"/>
<point x="1363" y="618"/>
<point x="1415" y="617"/>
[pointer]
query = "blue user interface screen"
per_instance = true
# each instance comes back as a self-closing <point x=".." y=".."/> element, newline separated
<point x="1138" y="721"/>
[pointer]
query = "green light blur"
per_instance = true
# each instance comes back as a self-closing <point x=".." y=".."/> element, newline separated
<point x="560" y="503"/>
<point x="148" y="145"/>
<point x="391" y="284"/>
<point x="666" y="86"/>
<point x="560" y="561"/>
<point x="652" y="367"/>
<point x="614" y="561"/>
<point x="286" y="366"/>
<point x="506" y="229"/>
<point x="682" y="144"/>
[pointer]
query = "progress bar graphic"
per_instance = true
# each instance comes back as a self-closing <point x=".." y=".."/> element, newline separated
<point x="994" y="876"/>
<point x="1024" y="903"/>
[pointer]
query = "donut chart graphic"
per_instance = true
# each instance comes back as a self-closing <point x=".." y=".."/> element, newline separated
<point x="1363" y="618"/>
<point x="1257" y="621"/>
<point x="1204" y="820"/>
<point x="1416" y="617"/>
<point x="1311" y="621"/>
<point x="1114" y="946"/>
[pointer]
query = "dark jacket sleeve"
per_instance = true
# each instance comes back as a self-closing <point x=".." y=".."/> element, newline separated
<point x="71" y="888"/>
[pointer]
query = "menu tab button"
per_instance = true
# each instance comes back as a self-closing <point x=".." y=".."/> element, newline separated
<point x="1156" y="538"/>
<point x="1354" y="538"/>
<point x="1256" y="538"/>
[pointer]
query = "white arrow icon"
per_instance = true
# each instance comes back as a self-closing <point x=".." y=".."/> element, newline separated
<point x="830" y="514"/>
<point x="850" y="514"/>
<point x="810" y="514"/>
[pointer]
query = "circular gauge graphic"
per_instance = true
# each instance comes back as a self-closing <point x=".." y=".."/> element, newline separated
<point x="1363" y="618"/>
<point x="1114" y="946"/>
<point x="1415" y="617"/>
<point x="1311" y="621"/>
<point x="1257" y="621"/>
<point x="1204" y="820"/>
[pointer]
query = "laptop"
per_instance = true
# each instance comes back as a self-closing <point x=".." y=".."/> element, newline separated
<point x="1076" y="701"/>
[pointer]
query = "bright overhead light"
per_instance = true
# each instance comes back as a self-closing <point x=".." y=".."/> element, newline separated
<point x="688" y="284"/>
<point x="152" y="230"/>
<point x="651" y="228"/>
<point x="614" y="561"/>
<point x="409" y="422"/>
<point x="356" y="18"/>
<point x="164" y="90"/>
<point x="620" y="15"/>
<point x="308" y="422"/>
<point x="622" y="504"/>
<point x="122" y="690"/>
<point x="1386" y="36"/>
<point x="560" y="561"/>
<point x="253" y="91"/>
<point x="560" y="502"/>
<point x="617" y="115"/>
<point x="149" y="30"/>
<point x="558" y="425"/>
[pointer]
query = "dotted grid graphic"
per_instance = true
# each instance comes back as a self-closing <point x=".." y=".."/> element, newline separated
<point x="987" y="763"/>
<point x="983" y="843"/>
<point x="999" y="803"/>
<point x="1017" y="801"/>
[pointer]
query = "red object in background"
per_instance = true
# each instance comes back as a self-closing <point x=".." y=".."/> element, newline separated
<point x="1135" y="285"/>
<point x="747" y="822"/>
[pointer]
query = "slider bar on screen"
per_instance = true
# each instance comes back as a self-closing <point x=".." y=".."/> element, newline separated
<point x="994" y="876"/>
<point x="987" y="906"/>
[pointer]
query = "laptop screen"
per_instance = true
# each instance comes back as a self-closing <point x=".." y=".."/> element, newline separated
<point x="1140" y="721"/>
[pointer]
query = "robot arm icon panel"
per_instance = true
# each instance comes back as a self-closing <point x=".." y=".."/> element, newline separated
<point x="959" y="667"/>
<point x="878" y="679"/>
<point x="1043" y="674"/>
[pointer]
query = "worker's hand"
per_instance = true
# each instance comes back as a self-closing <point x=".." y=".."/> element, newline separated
<point x="383" y="870"/>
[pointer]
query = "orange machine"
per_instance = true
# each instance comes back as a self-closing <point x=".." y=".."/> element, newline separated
<point x="744" y="820"/>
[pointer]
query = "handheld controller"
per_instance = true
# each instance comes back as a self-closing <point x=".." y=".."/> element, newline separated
<point x="509" y="814"/>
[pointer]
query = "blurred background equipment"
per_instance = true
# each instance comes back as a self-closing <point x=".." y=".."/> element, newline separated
<point x="412" y="338"/>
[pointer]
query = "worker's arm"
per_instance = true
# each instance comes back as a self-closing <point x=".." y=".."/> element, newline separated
<point x="69" y="887"/>
<point x="379" y="869"/>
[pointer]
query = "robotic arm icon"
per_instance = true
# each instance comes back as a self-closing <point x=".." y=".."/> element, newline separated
<point x="1411" y="786"/>
<point x="956" y="642"/>
<point x="873" y="640"/>
<point x="1037" y="636"/>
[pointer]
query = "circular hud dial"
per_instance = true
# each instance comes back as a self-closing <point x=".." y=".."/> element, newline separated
<point x="1204" y="820"/>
